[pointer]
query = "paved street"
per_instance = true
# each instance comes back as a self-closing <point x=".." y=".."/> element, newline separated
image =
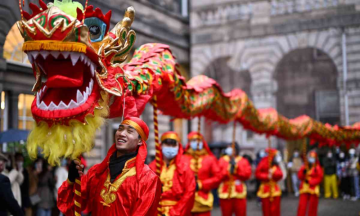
<point x="289" y="207"/>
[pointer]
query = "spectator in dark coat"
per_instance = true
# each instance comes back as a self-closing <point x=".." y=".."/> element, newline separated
<point x="7" y="200"/>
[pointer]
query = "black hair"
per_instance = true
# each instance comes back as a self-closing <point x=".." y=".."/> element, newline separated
<point x="18" y="154"/>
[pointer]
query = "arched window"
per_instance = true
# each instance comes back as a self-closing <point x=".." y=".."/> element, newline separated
<point x="13" y="47"/>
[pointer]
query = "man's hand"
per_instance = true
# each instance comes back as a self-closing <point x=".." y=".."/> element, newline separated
<point x="79" y="167"/>
<point x="232" y="166"/>
<point x="76" y="170"/>
<point x="270" y="174"/>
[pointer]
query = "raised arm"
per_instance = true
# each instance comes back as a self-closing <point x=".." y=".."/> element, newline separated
<point x="66" y="192"/>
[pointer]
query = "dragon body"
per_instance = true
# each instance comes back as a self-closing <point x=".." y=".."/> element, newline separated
<point x="81" y="78"/>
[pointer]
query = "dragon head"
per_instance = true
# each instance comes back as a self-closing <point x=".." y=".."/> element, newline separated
<point x="76" y="64"/>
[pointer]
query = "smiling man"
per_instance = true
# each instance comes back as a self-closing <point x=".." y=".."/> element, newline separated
<point x="122" y="184"/>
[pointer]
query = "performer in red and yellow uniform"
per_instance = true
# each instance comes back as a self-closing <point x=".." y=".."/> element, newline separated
<point x="122" y="184"/>
<point x="207" y="173"/>
<point x="269" y="190"/>
<point x="178" y="180"/>
<point x="232" y="190"/>
<point x="310" y="178"/>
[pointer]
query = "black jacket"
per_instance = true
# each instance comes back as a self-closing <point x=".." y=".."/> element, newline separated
<point x="7" y="201"/>
<point x="329" y="166"/>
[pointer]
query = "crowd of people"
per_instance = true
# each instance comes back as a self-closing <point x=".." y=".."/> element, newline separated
<point x="180" y="181"/>
<point x="341" y="173"/>
<point x="33" y="186"/>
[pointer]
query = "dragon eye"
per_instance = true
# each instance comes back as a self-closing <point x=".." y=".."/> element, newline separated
<point x="97" y="28"/>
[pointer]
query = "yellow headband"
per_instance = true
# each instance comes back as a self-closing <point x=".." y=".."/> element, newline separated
<point x="170" y="136"/>
<point x="196" y="136"/>
<point x="136" y="127"/>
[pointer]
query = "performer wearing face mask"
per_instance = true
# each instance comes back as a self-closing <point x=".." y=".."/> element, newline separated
<point x="207" y="173"/>
<point x="232" y="190"/>
<point x="269" y="191"/>
<point x="310" y="177"/>
<point x="178" y="182"/>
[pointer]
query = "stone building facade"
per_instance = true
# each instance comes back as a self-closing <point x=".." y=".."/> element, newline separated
<point x="285" y="54"/>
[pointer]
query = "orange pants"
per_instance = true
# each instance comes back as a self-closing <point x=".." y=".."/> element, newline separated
<point x="230" y="206"/>
<point x="308" y="200"/>
<point x="271" y="208"/>
<point x="201" y="213"/>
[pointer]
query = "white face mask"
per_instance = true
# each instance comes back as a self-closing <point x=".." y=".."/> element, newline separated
<point x="329" y="155"/>
<point x="229" y="151"/>
<point x="311" y="160"/>
<point x="296" y="154"/>
<point x="170" y="152"/>
<point x="352" y="153"/>
<point x="194" y="144"/>
<point x="262" y="154"/>
<point x="278" y="158"/>
<point x="342" y="155"/>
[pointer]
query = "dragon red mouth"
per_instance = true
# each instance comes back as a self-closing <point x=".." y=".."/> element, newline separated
<point x="70" y="88"/>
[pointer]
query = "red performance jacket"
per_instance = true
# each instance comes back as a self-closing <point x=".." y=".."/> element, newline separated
<point x="262" y="174"/>
<point x="233" y="185"/>
<point x="314" y="177"/>
<point x="136" y="191"/>
<point x="178" y="190"/>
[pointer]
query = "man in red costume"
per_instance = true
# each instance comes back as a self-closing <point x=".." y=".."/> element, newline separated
<point x="122" y="184"/>
<point x="269" y="172"/>
<point x="232" y="190"/>
<point x="207" y="173"/>
<point x="310" y="177"/>
<point x="178" y="181"/>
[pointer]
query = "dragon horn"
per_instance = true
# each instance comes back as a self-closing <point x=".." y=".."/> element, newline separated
<point x="130" y="14"/>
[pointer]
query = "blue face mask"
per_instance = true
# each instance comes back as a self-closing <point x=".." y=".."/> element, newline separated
<point x="262" y="154"/>
<point x="194" y="144"/>
<point x="311" y="160"/>
<point x="170" y="152"/>
<point x="229" y="151"/>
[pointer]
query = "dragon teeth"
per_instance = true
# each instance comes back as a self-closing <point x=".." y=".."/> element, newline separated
<point x="62" y="105"/>
<point x="65" y="54"/>
<point x="55" y="54"/>
<point x="44" y="54"/>
<point x="31" y="59"/>
<point x="74" y="57"/>
<point x="92" y="69"/>
<point x="79" y="97"/>
<point x="52" y="106"/>
<point x="43" y="106"/>
<point x="73" y="104"/>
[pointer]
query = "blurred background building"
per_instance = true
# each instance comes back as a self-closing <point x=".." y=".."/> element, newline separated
<point x="286" y="54"/>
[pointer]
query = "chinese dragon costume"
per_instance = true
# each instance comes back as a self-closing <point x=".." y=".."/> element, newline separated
<point x="82" y="77"/>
